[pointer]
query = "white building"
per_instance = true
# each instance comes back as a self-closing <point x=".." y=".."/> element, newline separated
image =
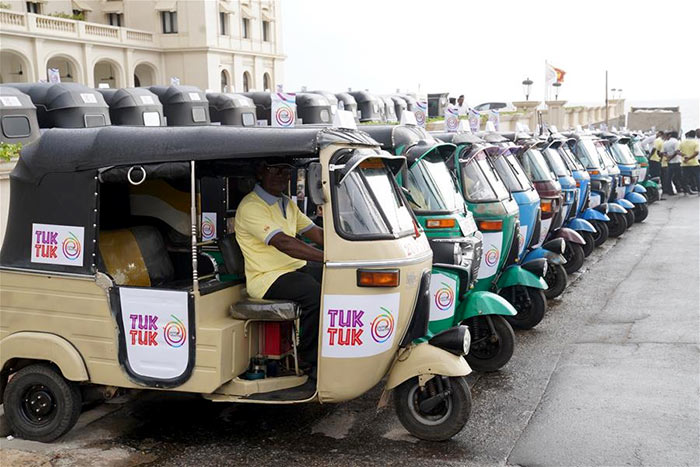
<point x="228" y="45"/>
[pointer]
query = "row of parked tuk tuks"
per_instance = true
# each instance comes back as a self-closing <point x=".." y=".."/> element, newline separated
<point x="120" y="270"/>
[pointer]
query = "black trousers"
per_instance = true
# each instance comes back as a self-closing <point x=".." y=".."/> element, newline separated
<point x="304" y="287"/>
<point x="692" y="176"/>
<point x="675" y="175"/>
<point x="666" y="181"/>
<point x="654" y="169"/>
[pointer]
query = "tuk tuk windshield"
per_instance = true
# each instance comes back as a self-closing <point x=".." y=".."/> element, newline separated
<point x="622" y="154"/>
<point x="368" y="204"/>
<point x="588" y="153"/>
<point x="481" y="182"/>
<point x="555" y="162"/>
<point x="569" y="158"/>
<point x="511" y="172"/>
<point x="605" y="157"/>
<point x="637" y="149"/>
<point x="535" y="166"/>
<point x="432" y="187"/>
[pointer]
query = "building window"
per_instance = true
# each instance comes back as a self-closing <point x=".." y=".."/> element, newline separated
<point x="266" y="31"/>
<point x="224" y="81"/>
<point x="169" y="19"/>
<point x="246" y="82"/>
<point x="223" y="23"/>
<point x="114" y="19"/>
<point x="266" y="82"/>
<point x="33" y="7"/>
<point x="245" y="28"/>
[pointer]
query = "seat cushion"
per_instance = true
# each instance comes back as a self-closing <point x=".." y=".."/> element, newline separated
<point x="265" y="310"/>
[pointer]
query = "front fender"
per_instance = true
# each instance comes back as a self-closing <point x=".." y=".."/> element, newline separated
<point x="47" y="347"/>
<point x="425" y="359"/>
<point x="538" y="253"/>
<point x="595" y="215"/>
<point x="614" y="207"/>
<point x="635" y="198"/>
<point x="516" y="275"/>
<point x="639" y="188"/>
<point x="484" y="303"/>
<point x="569" y="235"/>
<point x="580" y="225"/>
<point x="624" y="203"/>
<point x="649" y="184"/>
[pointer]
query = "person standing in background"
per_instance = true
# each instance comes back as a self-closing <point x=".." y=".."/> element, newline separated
<point x="654" y="147"/>
<point x="689" y="148"/>
<point x="462" y="107"/>
<point x="663" y="163"/>
<point x="671" y="153"/>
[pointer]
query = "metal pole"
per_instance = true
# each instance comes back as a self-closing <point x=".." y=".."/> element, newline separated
<point x="607" y="115"/>
<point x="193" y="220"/>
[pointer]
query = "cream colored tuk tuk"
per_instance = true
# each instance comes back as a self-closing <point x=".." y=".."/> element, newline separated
<point x="112" y="278"/>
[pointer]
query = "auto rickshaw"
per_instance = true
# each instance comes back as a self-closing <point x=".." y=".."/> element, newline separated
<point x="183" y="105"/>
<point x="496" y="215"/>
<point x="66" y="105"/>
<point x="587" y="150"/>
<point x="440" y="209"/>
<point x="231" y="109"/>
<point x="96" y="296"/>
<point x="133" y="107"/>
<point x="629" y="175"/>
<point x="347" y="102"/>
<point x="313" y="108"/>
<point x="400" y="105"/>
<point x="332" y="100"/>
<point x="390" y="115"/>
<point x="653" y="186"/>
<point x="617" y="194"/>
<point x="370" y="107"/>
<point x="18" y="121"/>
<point x="503" y="158"/>
<point x="551" y="200"/>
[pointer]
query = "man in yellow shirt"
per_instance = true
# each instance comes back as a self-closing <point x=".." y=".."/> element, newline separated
<point x="690" y="147"/>
<point x="278" y="266"/>
<point x="655" y="157"/>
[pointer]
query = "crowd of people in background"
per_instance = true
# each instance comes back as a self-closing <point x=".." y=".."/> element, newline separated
<point x="675" y="161"/>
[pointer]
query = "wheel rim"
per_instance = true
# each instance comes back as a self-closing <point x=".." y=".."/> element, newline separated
<point x="441" y="413"/>
<point x="551" y="276"/>
<point x="522" y="304"/>
<point x="38" y="405"/>
<point x="485" y="344"/>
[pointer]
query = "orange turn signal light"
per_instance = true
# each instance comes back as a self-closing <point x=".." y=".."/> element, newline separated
<point x="546" y="205"/>
<point x="440" y="223"/>
<point x="594" y="172"/>
<point x="491" y="226"/>
<point x="578" y="184"/>
<point x="378" y="278"/>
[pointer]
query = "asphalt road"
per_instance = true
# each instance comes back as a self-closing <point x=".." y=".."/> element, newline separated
<point x="610" y="377"/>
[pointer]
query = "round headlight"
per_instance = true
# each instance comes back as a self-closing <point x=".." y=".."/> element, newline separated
<point x="467" y="341"/>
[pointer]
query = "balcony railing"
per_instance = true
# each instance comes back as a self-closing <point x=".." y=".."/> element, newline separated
<point x="42" y="25"/>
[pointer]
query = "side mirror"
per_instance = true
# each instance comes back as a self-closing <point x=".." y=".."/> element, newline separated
<point x="314" y="178"/>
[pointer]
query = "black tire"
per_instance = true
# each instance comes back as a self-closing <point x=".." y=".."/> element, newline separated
<point x="573" y="252"/>
<point x="652" y="194"/>
<point x="602" y="233"/>
<point x="446" y="419"/>
<point x="40" y="404"/>
<point x="631" y="218"/>
<point x="490" y="350"/>
<point x="617" y="224"/>
<point x="641" y="211"/>
<point x="530" y="303"/>
<point x="590" y="243"/>
<point x="556" y="279"/>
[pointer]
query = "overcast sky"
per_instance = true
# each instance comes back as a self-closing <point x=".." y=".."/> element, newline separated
<point x="485" y="49"/>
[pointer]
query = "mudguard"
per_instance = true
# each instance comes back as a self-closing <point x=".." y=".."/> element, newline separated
<point x="624" y="203"/>
<point x="483" y="303"/>
<point x="614" y="207"/>
<point x="635" y="198"/>
<point x="569" y="235"/>
<point x="639" y="188"/>
<point x="650" y="184"/>
<point x="538" y="253"/>
<point x="595" y="215"/>
<point x="580" y="225"/>
<point x="425" y="359"/>
<point x="47" y="347"/>
<point x="516" y="275"/>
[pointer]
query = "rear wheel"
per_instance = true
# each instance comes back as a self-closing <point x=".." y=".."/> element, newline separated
<point x="435" y="412"/>
<point x="631" y="218"/>
<point x="492" y="342"/>
<point x="641" y="211"/>
<point x="573" y="252"/>
<point x="590" y="243"/>
<point x="601" y="232"/>
<point x="40" y="404"/>
<point x="556" y="279"/>
<point x="617" y="224"/>
<point x="529" y="302"/>
<point x="652" y="194"/>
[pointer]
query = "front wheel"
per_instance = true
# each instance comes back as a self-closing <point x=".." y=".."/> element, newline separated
<point x="556" y="279"/>
<point x="652" y="194"/>
<point x="529" y="302"/>
<point x="435" y="412"/>
<point x="601" y="232"/>
<point x="641" y="211"/>
<point x="590" y="243"/>
<point x="493" y="341"/>
<point x="40" y="404"/>
<point x="617" y="224"/>
<point x="573" y="252"/>
<point x="630" y="217"/>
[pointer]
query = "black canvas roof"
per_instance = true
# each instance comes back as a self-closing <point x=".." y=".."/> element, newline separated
<point x="25" y="102"/>
<point x="416" y="140"/>
<point x="123" y="98"/>
<point x="55" y="96"/>
<point x="72" y="150"/>
<point x="464" y="137"/>
<point x="222" y="101"/>
<point x="328" y="95"/>
<point x="178" y="94"/>
<point x="311" y="99"/>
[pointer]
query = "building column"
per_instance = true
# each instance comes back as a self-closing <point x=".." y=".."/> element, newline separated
<point x="88" y="72"/>
<point x="556" y="113"/>
<point x="128" y="79"/>
<point x="39" y="68"/>
<point x="528" y="109"/>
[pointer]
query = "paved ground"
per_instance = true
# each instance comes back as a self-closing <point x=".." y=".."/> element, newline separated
<point x="609" y="378"/>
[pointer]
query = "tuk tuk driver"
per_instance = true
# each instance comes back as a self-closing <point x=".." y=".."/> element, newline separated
<point x="278" y="266"/>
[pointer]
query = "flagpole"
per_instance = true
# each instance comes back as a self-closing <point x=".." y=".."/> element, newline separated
<point x="607" y="121"/>
<point x="546" y="69"/>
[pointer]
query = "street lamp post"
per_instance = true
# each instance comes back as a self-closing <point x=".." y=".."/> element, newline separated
<point x="556" y="86"/>
<point x="527" y="84"/>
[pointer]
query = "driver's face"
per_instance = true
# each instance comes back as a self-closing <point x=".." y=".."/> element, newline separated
<point x="275" y="178"/>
